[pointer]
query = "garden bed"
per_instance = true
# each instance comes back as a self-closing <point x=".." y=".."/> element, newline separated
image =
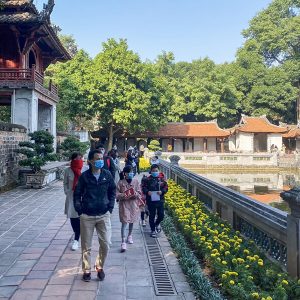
<point x="236" y="265"/>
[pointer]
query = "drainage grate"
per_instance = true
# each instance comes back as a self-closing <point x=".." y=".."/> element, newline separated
<point x="163" y="284"/>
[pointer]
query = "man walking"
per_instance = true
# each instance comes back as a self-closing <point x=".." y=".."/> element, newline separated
<point x="108" y="162"/>
<point x="94" y="199"/>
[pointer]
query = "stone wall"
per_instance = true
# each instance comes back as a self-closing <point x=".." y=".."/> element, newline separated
<point x="10" y="136"/>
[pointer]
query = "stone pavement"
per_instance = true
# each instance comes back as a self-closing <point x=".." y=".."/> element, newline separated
<point x="36" y="261"/>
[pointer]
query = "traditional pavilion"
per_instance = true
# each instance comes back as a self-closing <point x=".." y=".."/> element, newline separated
<point x="255" y="134"/>
<point x="291" y="139"/>
<point x="28" y="45"/>
<point x="183" y="137"/>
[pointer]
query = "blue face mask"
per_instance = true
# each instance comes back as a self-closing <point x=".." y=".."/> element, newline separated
<point x="155" y="174"/>
<point x="99" y="164"/>
<point x="130" y="175"/>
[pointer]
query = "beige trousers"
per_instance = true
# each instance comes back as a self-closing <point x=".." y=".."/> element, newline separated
<point x="103" y="227"/>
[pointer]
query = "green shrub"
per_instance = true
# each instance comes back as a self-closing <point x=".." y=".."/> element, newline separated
<point x="72" y="144"/>
<point x="154" y="146"/>
<point x="38" y="152"/>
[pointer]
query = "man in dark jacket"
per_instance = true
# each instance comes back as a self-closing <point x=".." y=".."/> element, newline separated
<point x="94" y="199"/>
<point x="155" y="187"/>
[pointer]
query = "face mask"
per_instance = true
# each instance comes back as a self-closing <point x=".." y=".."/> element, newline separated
<point x="99" y="164"/>
<point x="155" y="174"/>
<point x="130" y="175"/>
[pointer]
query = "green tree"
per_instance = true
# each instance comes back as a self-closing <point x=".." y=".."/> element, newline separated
<point x="276" y="30"/>
<point x="39" y="151"/>
<point x="69" y="43"/>
<point x="125" y="94"/>
<point x="71" y="78"/>
<point x="72" y="144"/>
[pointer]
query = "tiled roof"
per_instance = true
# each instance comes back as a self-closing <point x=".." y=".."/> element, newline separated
<point x="18" y="17"/>
<point x="16" y="3"/>
<point x="258" y="125"/>
<point x="191" y="129"/>
<point x="294" y="132"/>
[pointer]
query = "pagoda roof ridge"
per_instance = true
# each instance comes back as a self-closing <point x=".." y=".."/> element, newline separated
<point x="260" y="124"/>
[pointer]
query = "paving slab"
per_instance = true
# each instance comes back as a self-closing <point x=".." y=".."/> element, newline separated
<point x="36" y="261"/>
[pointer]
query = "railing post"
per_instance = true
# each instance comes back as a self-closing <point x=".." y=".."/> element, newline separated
<point x="292" y="197"/>
<point x="33" y="72"/>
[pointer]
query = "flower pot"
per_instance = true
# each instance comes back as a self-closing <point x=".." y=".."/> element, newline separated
<point x="35" y="181"/>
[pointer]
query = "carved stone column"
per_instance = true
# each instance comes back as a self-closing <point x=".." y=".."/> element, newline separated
<point x="292" y="197"/>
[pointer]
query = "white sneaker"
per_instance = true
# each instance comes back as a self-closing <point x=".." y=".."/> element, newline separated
<point x="75" y="245"/>
<point x="143" y="223"/>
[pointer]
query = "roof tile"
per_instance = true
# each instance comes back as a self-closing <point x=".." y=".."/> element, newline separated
<point x="258" y="125"/>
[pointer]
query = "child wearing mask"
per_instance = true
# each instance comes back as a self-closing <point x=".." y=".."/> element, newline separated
<point x="155" y="187"/>
<point x="128" y="196"/>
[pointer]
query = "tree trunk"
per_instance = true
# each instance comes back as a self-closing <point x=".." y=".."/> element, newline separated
<point x="110" y="137"/>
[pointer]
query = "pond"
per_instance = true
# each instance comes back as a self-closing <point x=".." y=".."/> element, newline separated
<point x="263" y="186"/>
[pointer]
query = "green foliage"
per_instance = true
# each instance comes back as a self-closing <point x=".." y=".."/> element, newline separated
<point x="189" y="262"/>
<point x="69" y="43"/>
<point x="72" y="144"/>
<point x="125" y="93"/>
<point x="154" y="146"/>
<point x="71" y="78"/>
<point x="38" y="152"/>
<point x="5" y="112"/>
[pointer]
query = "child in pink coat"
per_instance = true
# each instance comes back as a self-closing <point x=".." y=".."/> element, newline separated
<point x="128" y="195"/>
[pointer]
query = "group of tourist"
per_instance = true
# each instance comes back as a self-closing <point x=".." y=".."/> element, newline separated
<point x="91" y="192"/>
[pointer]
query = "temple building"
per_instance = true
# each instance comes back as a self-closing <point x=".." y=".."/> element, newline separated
<point x="291" y="139"/>
<point x="28" y="45"/>
<point x="255" y="134"/>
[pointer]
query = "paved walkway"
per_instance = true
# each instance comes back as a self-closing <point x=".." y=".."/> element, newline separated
<point x="36" y="261"/>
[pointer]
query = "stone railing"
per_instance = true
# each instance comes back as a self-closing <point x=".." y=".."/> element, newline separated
<point x="265" y="225"/>
<point x="216" y="159"/>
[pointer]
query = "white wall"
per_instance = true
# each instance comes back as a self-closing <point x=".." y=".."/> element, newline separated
<point x="165" y="143"/>
<point x="231" y="143"/>
<point x="211" y="144"/>
<point x="244" y="142"/>
<point x="178" y="145"/>
<point x="276" y="139"/>
<point x="198" y="144"/>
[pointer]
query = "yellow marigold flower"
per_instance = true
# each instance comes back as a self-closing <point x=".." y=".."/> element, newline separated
<point x="240" y="260"/>
<point x="218" y="259"/>
<point x="234" y="260"/>
<point x="224" y="276"/>
<point x="250" y="277"/>
<point x="247" y="266"/>
<point x="285" y="282"/>
<point x="255" y="295"/>
<point x="256" y="256"/>
<point x="246" y="251"/>
<point x="224" y="262"/>
<point x="227" y="252"/>
<point x="260" y="263"/>
<point x="269" y="298"/>
<point x="232" y="282"/>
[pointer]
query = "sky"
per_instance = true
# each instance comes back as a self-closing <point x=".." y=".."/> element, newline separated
<point x="191" y="29"/>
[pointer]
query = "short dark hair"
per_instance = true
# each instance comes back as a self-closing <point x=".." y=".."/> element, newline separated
<point x="155" y="166"/>
<point x="98" y="146"/>
<point x="75" y="154"/>
<point x="127" y="169"/>
<point x="92" y="154"/>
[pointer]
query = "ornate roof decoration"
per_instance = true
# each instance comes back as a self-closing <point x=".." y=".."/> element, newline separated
<point x="35" y="26"/>
<point x="258" y="125"/>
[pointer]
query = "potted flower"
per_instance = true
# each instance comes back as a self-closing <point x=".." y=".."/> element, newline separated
<point x="38" y="151"/>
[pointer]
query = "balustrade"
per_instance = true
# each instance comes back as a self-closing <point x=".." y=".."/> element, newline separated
<point x="273" y="230"/>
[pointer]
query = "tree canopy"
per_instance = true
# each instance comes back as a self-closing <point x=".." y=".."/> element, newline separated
<point x="117" y="91"/>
